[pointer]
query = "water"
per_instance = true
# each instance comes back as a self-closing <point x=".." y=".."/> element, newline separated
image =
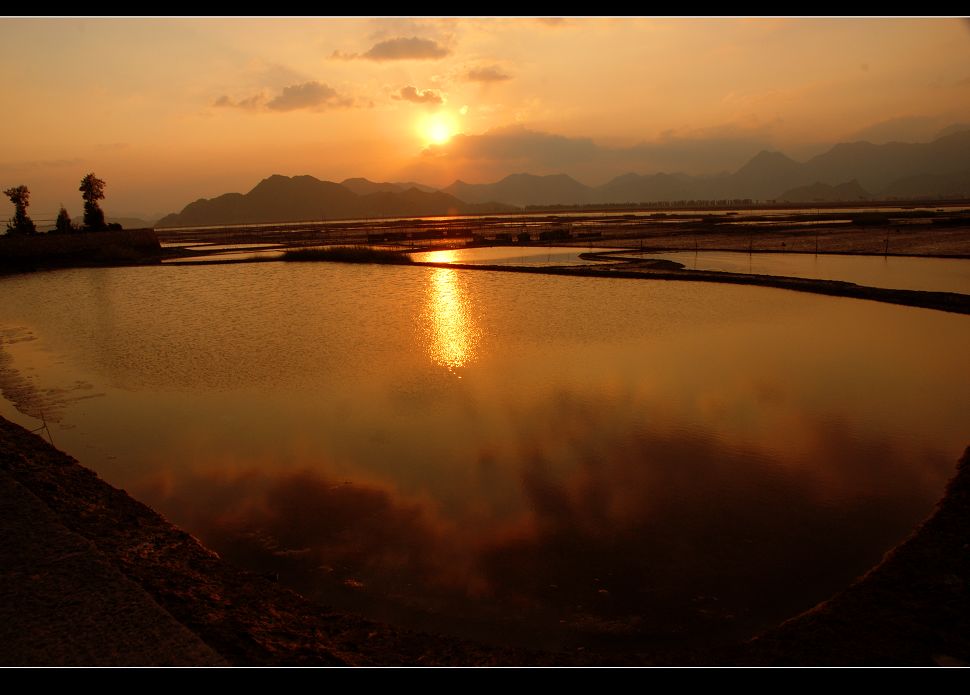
<point x="894" y="272"/>
<point x="510" y="255"/>
<point x="522" y="459"/>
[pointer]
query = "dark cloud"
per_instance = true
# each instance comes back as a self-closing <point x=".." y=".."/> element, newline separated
<point x="502" y="151"/>
<point x="428" y="96"/>
<point x="900" y="129"/>
<point x="304" y="96"/>
<point x="412" y="48"/>
<point x="491" y="73"/>
<point x="519" y="144"/>
<point x="308" y="95"/>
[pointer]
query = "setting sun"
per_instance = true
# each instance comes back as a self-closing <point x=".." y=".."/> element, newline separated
<point x="437" y="129"/>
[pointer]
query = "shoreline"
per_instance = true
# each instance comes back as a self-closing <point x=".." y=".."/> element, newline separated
<point x="911" y="609"/>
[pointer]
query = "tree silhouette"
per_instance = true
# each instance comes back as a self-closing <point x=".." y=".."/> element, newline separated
<point x="63" y="224"/>
<point x="21" y="223"/>
<point x="92" y="190"/>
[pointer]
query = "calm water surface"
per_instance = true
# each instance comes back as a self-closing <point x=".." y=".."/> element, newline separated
<point x="894" y="272"/>
<point x="510" y="255"/>
<point x="524" y="459"/>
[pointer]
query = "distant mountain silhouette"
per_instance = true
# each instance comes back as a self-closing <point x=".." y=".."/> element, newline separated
<point x="525" y="189"/>
<point x="630" y="188"/>
<point x="290" y="199"/>
<point x="365" y="187"/>
<point x="952" y="129"/>
<point x="824" y="193"/>
<point x="847" y="171"/>
<point x="955" y="185"/>
<point x="879" y="169"/>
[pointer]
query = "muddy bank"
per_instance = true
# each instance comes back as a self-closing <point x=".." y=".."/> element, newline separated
<point x="913" y="609"/>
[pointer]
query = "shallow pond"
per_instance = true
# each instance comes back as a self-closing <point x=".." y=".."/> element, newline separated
<point x="893" y="272"/>
<point x="523" y="459"/>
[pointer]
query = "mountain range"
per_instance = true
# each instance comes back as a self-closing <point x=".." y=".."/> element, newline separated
<point x="292" y="199"/>
<point x="846" y="172"/>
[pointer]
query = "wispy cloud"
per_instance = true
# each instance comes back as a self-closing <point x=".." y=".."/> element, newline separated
<point x="401" y="48"/>
<point x="308" y="95"/>
<point x="253" y="103"/>
<point x="412" y="94"/>
<point x="490" y="73"/>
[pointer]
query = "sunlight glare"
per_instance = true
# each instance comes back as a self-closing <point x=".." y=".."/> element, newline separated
<point x="437" y="129"/>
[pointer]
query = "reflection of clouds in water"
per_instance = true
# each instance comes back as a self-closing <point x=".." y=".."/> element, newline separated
<point x="314" y="527"/>
<point x="668" y="526"/>
<point x="662" y="523"/>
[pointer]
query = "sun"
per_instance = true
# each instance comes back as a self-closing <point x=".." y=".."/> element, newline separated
<point x="438" y="132"/>
<point x="437" y="129"/>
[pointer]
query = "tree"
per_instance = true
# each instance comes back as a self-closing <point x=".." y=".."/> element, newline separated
<point x="63" y="224"/>
<point x="21" y="223"/>
<point x="92" y="190"/>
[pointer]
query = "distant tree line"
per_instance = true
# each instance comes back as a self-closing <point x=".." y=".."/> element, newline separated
<point x="92" y="190"/>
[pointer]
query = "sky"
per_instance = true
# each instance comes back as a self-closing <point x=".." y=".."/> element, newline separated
<point x="167" y="111"/>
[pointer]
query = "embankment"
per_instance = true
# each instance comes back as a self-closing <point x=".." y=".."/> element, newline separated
<point x="116" y="247"/>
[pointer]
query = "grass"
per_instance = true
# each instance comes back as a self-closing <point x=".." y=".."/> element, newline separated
<point x="348" y="254"/>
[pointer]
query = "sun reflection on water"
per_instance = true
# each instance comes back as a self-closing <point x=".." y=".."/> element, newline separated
<point x="453" y="335"/>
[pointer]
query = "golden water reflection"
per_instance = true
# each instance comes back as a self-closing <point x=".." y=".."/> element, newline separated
<point x="453" y="333"/>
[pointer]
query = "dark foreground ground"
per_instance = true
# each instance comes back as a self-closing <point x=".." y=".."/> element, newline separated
<point x="90" y="576"/>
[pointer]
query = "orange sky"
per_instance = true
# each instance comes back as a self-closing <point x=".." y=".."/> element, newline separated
<point x="166" y="111"/>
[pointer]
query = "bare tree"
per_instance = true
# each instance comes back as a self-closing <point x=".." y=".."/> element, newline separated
<point x="21" y="223"/>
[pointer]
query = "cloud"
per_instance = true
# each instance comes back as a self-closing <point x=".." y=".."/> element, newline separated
<point x="519" y="144"/>
<point x="302" y="96"/>
<point x="491" y="73"/>
<point x="513" y="149"/>
<point x="308" y="95"/>
<point x="253" y="103"/>
<point x="913" y="128"/>
<point x="428" y="96"/>
<point x="400" y="48"/>
<point x="702" y="151"/>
